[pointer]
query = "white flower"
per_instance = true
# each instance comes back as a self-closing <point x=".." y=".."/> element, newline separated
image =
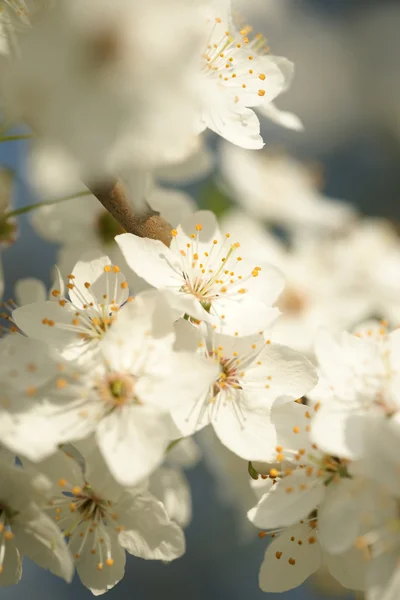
<point x="241" y="76"/>
<point x="122" y="71"/>
<point x="252" y="374"/>
<point x="25" y="529"/>
<point x="279" y="189"/>
<point x="359" y="394"/>
<point x="205" y="276"/>
<point x="102" y="520"/>
<point x="74" y="324"/>
<point x="123" y="395"/>
<point x="316" y="510"/>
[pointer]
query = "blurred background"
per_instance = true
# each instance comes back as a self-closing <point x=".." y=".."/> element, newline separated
<point x="347" y="93"/>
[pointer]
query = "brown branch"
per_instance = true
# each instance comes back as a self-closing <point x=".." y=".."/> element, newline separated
<point x="150" y="224"/>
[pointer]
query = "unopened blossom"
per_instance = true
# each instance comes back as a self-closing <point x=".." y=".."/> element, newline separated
<point x="102" y="520"/>
<point x="123" y="395"/>
<point x="241" y="76"/>
<point x="205" y="275"/>
<point x="84" y="309"/>
<point x="239" y="403"/>
<point x="25" y="529"/>
<point x="122" y="71"/>
<point x="282" y="191"/>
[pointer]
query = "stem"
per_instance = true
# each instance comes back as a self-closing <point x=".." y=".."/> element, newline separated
<point x="30" y="207"/>
<point x="13" y="138"/>
<point x="150" y="224"/>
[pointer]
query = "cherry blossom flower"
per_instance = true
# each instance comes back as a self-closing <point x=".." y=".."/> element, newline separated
<point x="124" y="394"/>
<point x="76" y="322"/>
<point x="315" y="502"/>
<point x="239" y="403"/>
<point x="25" y="529"/>
<point x="103" y="520"/>
<point x="241" y="76"/>
<point x="358" y="393"/>
<point x="205" y="276"/>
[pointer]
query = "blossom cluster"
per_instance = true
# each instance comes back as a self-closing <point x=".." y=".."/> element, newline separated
<point x="285" y="349"/>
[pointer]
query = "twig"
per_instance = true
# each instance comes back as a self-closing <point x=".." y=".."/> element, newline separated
<point x="150" y="224"/>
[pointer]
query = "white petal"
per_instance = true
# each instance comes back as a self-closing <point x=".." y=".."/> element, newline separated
<point x="339" y="431"/>
<point x="285" y="372"/>
<point x="257" y="91"/>
<point x="12" y="565"/>
<point x="133" y="441"/>
<point x="185" y="454"/>
<point x="235" y="123"/>
<point x="91" y="282"/>
<point x="277" y="574"/>
<point x="98" y="581"/>
<point x="350" y="569"/>
<point x="148" y="531"/>
<point x="190" y="377"/>
<point x="248" y="433"/>
<point x="289" y="501"/>
<point x="41" y="540"/>
<point x="243" y="318"/>
<point x="338" y="517"/>
<point x="150" y="259"/>
<point x="171" y="487"/>
<point x="281" y="117"/>
<point x="31" y="319"/>
<point x="383" y="577"/>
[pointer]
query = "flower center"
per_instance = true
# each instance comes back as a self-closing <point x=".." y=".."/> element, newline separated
<point x="85" y="519"/>
<point x="108" y="228"/>
<point x="292" y="302"/>
<point x="210" y="274"/>
<point x="95" y="312"/>
<point x="228" y="377"/>
<point x="117" y="390"/>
